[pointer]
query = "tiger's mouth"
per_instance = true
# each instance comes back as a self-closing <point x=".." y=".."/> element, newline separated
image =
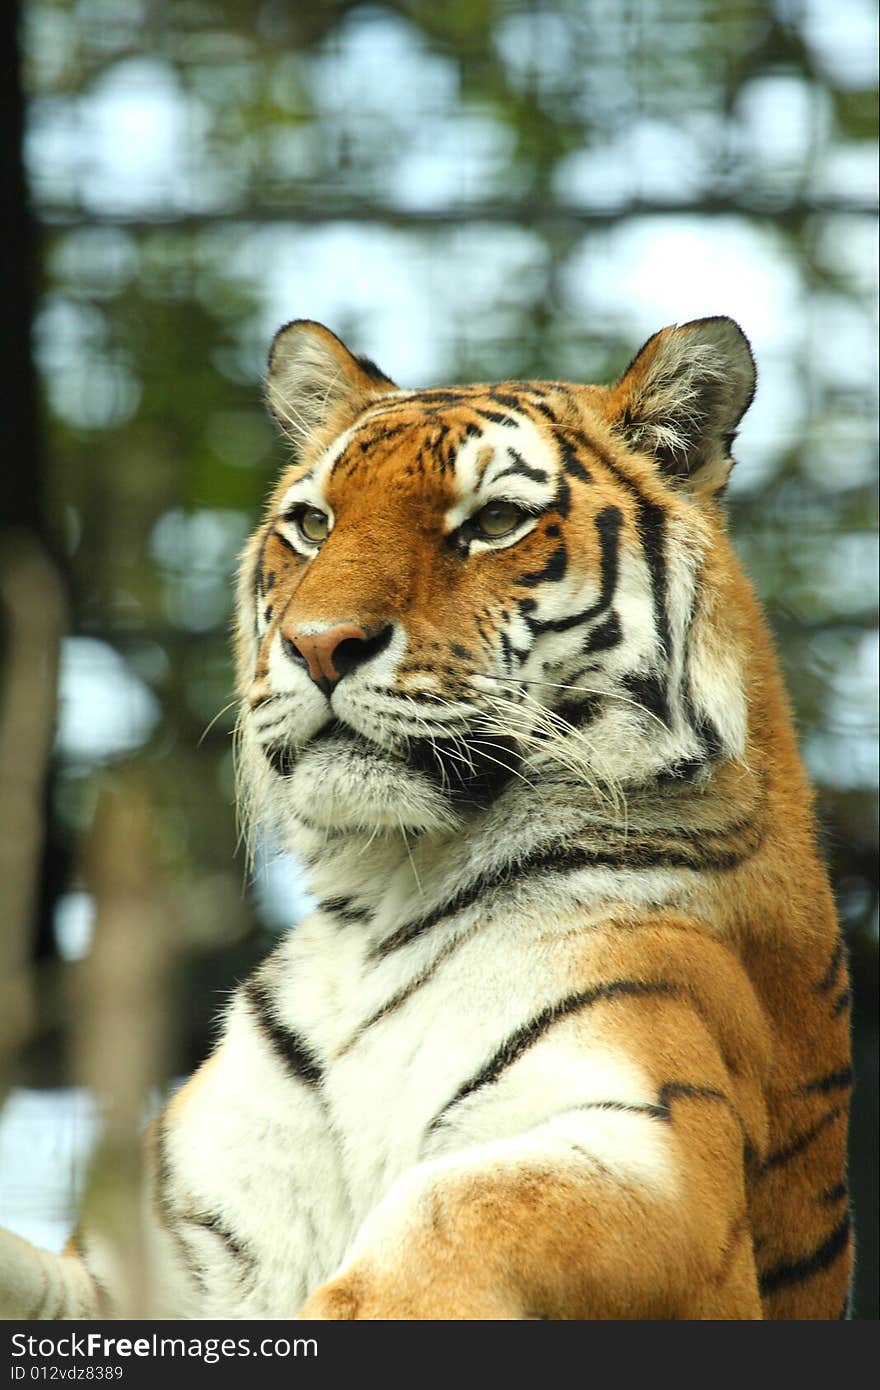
<point x="469" y="770"/>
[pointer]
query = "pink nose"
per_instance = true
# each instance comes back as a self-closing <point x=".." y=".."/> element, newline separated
<point x="330" y="654"/>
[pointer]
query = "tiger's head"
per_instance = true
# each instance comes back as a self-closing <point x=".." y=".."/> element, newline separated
<point x="462" y="589"/>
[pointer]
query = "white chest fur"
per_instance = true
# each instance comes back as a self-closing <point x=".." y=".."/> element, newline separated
<point x="294" y="1166"/>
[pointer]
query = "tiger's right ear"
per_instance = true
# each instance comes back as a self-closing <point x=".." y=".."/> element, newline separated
<point x="316" y="384"/>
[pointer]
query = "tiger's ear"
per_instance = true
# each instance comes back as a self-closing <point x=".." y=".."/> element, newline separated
<point x="682" y="397"/>
<point x="314" y="381"/>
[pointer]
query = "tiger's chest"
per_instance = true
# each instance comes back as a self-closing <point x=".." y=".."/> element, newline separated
<point x="401" y="1040"/>
<point x="361" y="1065"/>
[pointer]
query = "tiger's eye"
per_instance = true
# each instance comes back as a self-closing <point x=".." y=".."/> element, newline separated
<point x="498" y="519"/>
<point x="314" y="525"/>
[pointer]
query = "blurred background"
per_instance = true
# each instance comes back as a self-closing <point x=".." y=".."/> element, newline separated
<point x="467" y="190"/>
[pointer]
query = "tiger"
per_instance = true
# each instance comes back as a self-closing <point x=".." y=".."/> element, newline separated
<point x="566" y="1034"/>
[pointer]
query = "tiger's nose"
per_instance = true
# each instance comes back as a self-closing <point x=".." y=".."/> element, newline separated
<point x="331" y="654"/>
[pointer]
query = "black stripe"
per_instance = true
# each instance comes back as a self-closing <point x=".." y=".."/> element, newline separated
<point x="344" y="909"/>
<point x="352" y="457"/>
<point x="568" y="859"/>
<point x="529" y="1033"/>
<point x="260" y="586"/>
<point x="280" y="757"/>
<point x="403" y="699"/>
<point x="685" y="1090"/>
<point x="830" y="977"/>
<point x="562" y="496"/>
<point x="279" y="536"/>
<point x="168" y="1215"/>
<point x="211" y="1222"/>
<point x="257" y="583"/>
<point x="172" y="1218"/>
<point x="438" y="395"/>
<point x="840" y="1080"/>
<point x="369" y="368"/>
<point x="603" y="636"/>
<point x="662" y="1110"/>
<point x="269" y="725"/>
<point x="651" y="526"/>
<point x="707" y="733"/>
<point x="650" y="693"/>
<point x="783" y="1275"/>
<point x="842" y="1002"/>
<point x="495" y="417"/>
<point x="608" y="523"/>
<point x="684" y="770"/>
<point x="386" y="433"/>
<point x="700" y="834"/>
<point x="289" y="1048"/>
<point x="834" y="1194"/>
<point x="520" y="469"/>
<point x="801" y="1141"/>
<point x="577" y="714"/>
<point x="554" y="569"/>
<point x="541" y="625"/>
<point x="446" y="447"/>
<point x="469" y="771"/>
<point x="329" y="832"/>
<point x="506" y="649"/>
<point x="504" y="398"/>
<point x="546" y="410"/>
<point x="406" y="992"/>
<point x="571" y="463"/>
<point x="704" y="728"/>
<point x="621" y="1107"/>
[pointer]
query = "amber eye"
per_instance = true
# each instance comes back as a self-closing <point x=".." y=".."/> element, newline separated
<point x="497" y="519"/>
<point x="314" y="525"/>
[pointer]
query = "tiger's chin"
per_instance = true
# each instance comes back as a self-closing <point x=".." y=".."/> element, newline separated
<point x="342" y="779"/>
<point x="346" y="785"/>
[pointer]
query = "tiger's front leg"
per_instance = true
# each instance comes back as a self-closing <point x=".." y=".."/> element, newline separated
<point x="245" y="1208"/>
<point x="608" y="1209"/>
<point x="556" y="1235"/>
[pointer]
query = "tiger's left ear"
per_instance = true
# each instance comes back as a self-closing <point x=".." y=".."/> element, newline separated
<point x="682" y="397"/>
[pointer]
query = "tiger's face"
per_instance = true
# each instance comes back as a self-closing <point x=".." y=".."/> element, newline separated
<point x="458" y="589"/>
